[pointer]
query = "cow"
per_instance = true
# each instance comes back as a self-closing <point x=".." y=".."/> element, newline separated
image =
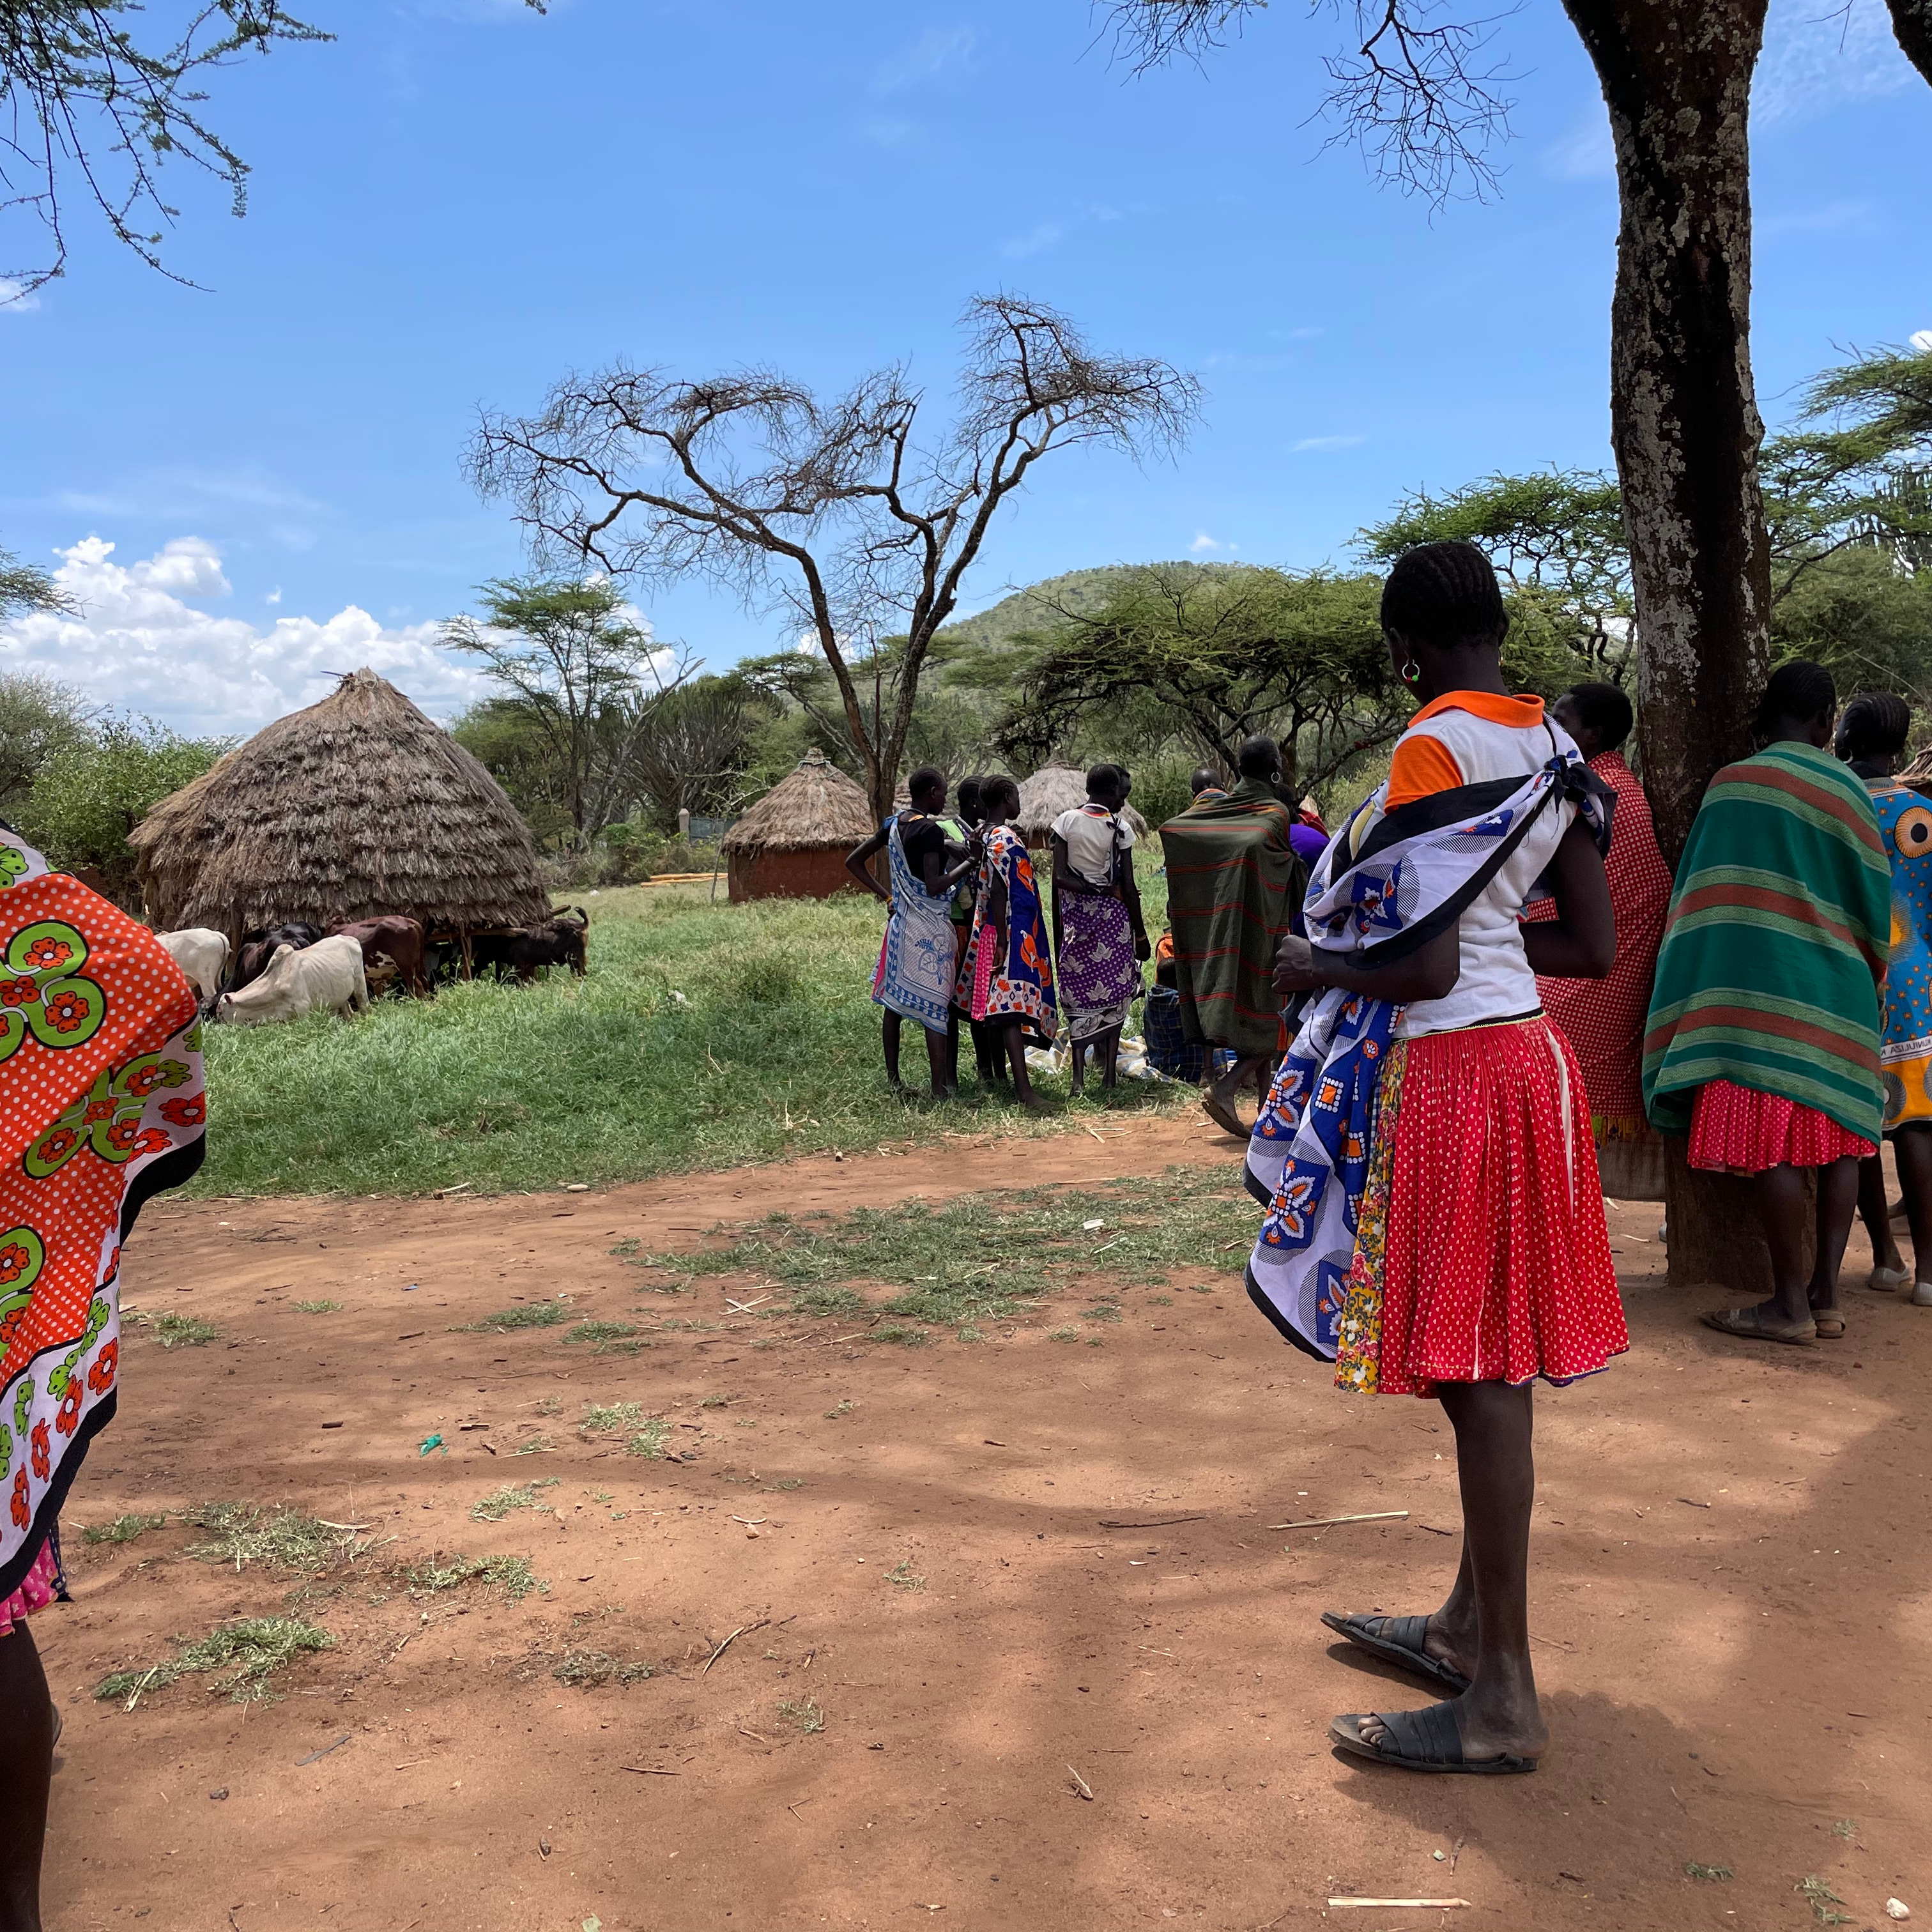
<point x="298" y="978"/>
<point x="256" y="952"/>
<point x="558" y="941"/>
<point x="202" y="953"/>
<point x="396" y="938"/>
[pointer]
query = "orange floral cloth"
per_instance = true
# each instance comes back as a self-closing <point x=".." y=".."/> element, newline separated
<point x="101" y="1104"/>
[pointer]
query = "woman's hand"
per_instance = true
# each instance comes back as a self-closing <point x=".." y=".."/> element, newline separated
<point x="1143" y="947"/>
<point x="1296" y="969"/>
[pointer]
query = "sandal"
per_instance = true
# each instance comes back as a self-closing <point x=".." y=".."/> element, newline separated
<point x="1430" y="1739"/>
<point x="1752" y="1325"/>
<point x="1223" y="1116"/>
<point x="1397" y="1640"/>
<point x="1830" y="1324"/>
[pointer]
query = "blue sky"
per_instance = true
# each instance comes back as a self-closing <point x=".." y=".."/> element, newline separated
<point x="458" y="200"/>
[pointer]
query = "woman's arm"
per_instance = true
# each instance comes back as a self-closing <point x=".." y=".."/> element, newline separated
<point x="1430" y="972"/>
<point x="1580" y="943"/>
<point x="1128" y="889"/>
<point x="855" y="864"/>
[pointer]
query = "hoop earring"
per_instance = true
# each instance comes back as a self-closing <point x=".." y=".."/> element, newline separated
<point x="1412" y="670"/>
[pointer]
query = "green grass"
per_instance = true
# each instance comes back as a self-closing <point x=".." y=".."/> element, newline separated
<point x="607" y="1338"/>
<point x="512" y="1575"/>
<point x="317" y="1307"/>
<point x="181" y="1331"/>
<point x="992" y="1256"/>
<point x="904" y="1576"/>
<point x="802" y="1711"/>
<point x="122" y="1529"/>
<point x="1821" y="1898"/>
<point x="245" y="1533"/>
<point x="1712" y="1874"/>
<point x="240" y="1657"/>
<point x="648" y="1440"/>
<point x="774" y="1050"/>
<point x="524" y="1315"/>
<point x="499" y="1502"/>
<point x="599" y="1417"/>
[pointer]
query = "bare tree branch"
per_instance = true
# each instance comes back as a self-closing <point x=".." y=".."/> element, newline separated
<point x="1417" y="93"/>
<point x="833" y="514"/>
<point x="79" y="93"/>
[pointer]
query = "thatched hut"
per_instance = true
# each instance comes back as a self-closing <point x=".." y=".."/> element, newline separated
<point x="1052" y="789"/>
<point x="357" y="806"/>
<point x="793" y="843"/>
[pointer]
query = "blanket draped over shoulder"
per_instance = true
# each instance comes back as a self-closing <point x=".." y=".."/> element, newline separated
<point x="1775" y="944"/>
<point x="101" y="1107"/>
<point x="1232" y="879"/>
<point x="1415" y="873"/>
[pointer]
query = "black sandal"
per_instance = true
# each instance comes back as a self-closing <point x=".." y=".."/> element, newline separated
<point x="1398" y="1640"/>
<point x="1430" y="1739"/>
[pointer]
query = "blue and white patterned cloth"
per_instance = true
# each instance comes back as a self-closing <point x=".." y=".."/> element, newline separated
<point x="917" y="962"/>
<point x="1387" y="885"/>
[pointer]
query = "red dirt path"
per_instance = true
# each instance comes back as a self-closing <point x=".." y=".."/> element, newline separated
<point x="1730" y="1603"/>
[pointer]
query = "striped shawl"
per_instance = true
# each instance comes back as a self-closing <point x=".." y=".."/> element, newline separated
<point x="1775" y="945"/>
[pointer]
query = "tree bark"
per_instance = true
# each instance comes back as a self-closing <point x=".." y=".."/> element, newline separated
<point x="1715" y="1240"/>
<point x="1911" y="22"/>
<point x="1676" y="76"/>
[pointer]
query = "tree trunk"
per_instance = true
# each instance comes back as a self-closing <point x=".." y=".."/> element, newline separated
<point x="1676" y="76"/>
<point x="1714" y="1230"/>
<point x="1911" y="22"/>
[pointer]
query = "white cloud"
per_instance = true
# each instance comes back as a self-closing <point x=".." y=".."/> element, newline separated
<point x="1921" y="340"/>
<point x="1034" y="241"/>
<point x="12" y="302"/>
<point x="926" y="58"/>
<point x="139" y="643"/>
<point x="1586" y="152"/>
<point x="1203" y="542"/>
<point x="1818" y="56"/>
<point x="1321" y="444"/>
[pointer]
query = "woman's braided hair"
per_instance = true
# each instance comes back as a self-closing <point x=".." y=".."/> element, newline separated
<point x="1800" y="689"/>
<point x="1444" y="594"/>
<point x="1876" y="725"/>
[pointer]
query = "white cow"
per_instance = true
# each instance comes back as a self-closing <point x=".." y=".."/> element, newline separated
<point x="297" y="978"/>
<point x="202" y="953"/>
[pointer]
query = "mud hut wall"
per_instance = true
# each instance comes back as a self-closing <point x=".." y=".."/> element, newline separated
<point x="810" y="872"/>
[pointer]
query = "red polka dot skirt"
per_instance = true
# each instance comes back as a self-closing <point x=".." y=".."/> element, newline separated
<point x="1497" y="1263"/>
<point x="1737" y="1129"/>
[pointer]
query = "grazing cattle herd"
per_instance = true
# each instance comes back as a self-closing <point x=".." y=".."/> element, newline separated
<point x="284" y="971"/>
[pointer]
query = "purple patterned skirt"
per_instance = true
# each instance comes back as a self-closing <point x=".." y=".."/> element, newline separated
<point x="1099" y="977"/>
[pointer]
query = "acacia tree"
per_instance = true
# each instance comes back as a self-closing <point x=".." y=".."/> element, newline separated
<point x="588" y="677"/>
<point x="1224" y="654"/>
<point x="81" y="94"/>
<point x="835" y="512"/>
<point x="1676" y="77"/>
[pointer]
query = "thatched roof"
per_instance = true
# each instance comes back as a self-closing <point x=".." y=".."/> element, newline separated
<point x="357" y="806"/>
<point x="1052" y="789"/>
<point x="817" y="805"/>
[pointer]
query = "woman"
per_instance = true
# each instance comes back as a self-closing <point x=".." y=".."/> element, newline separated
<point x="1604" y="1020"/>
<point x="1434" y="1226"/>
<point x="919" y="957"/>
<point x="1762" y="1040"/>
<point x="1871" y="739"/>
<point x="1099" y="937"/>
<point x="1007" y="979"/>
<point x="100" y="1079"/>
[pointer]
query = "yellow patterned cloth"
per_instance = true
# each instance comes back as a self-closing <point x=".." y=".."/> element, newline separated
<point x="1358" y="1332"/>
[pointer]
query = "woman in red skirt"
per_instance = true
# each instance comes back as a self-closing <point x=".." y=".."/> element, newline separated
<point x="1481" y="1262"/>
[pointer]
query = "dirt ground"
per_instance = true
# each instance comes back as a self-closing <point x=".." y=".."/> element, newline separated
<point x="1729" y="1598"/>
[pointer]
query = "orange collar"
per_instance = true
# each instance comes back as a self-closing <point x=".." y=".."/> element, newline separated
<point x="1522" y="714"/>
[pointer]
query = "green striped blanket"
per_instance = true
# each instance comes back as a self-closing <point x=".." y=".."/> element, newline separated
<point x="1775" y="945"/>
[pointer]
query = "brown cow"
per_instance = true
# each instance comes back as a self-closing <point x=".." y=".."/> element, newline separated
<point x="558" y="941"/>
<point x="397" y="936"/>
